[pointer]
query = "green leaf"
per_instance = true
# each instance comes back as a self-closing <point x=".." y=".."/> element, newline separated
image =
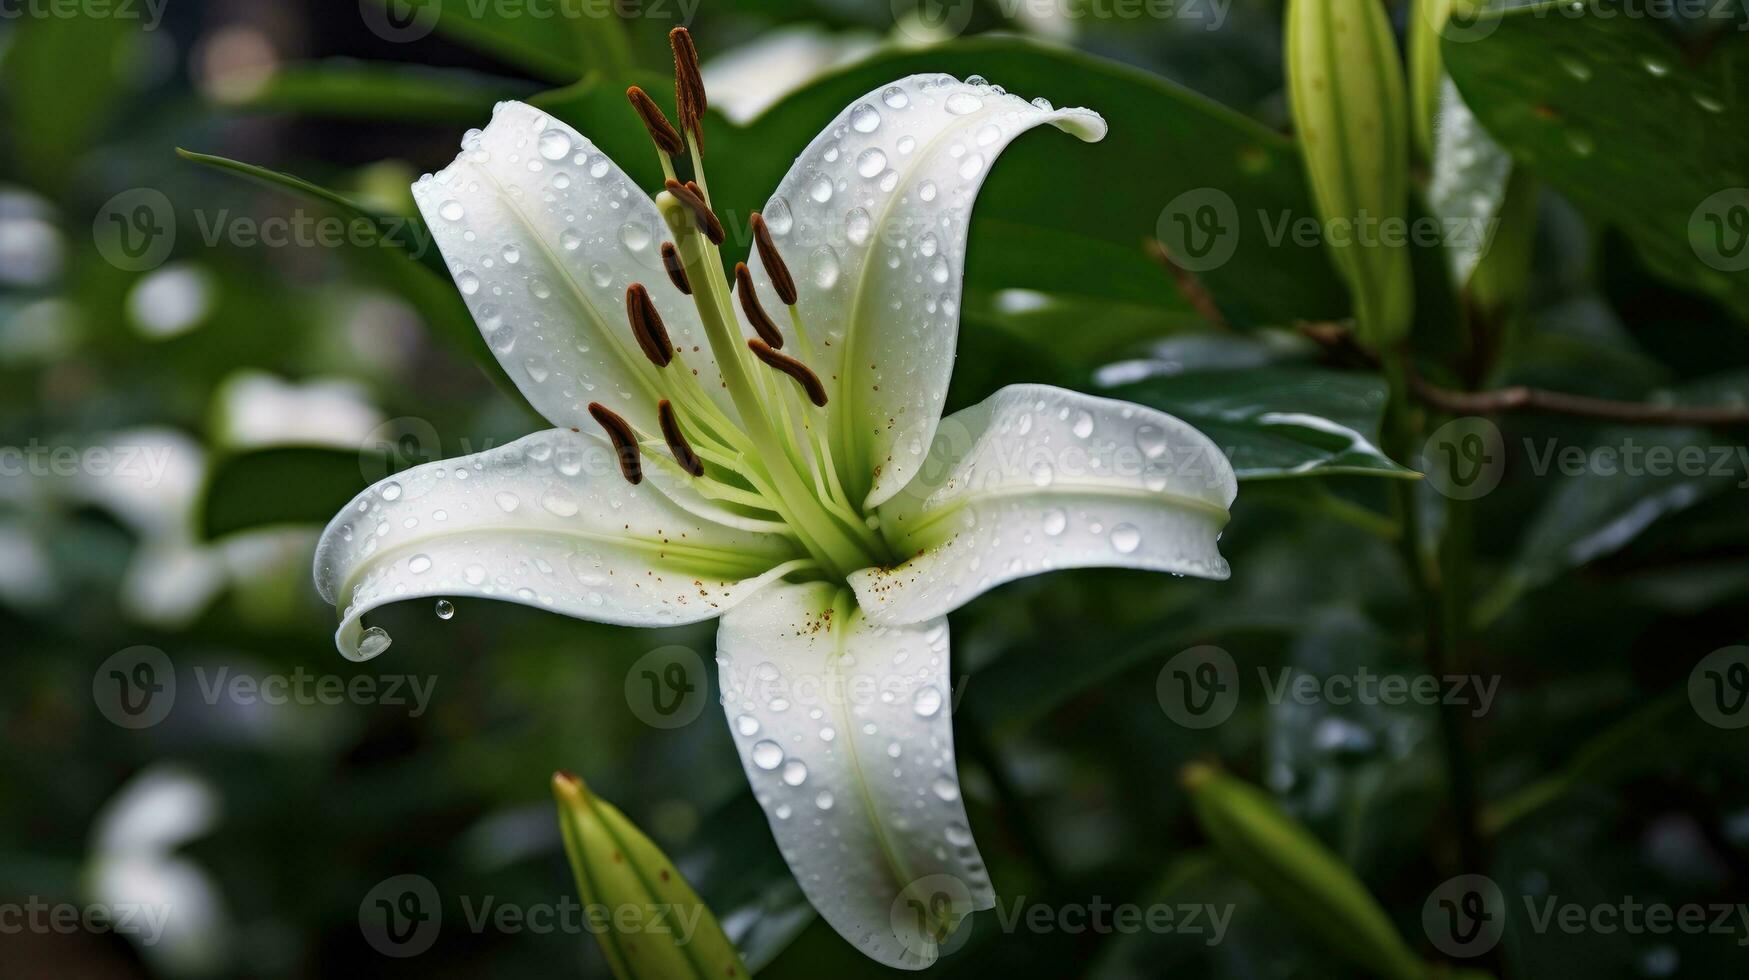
<point x="1632" y="127"/>
<point x="1281" y="421"/>
<point x="1060" y="220"/>
<point x="1295" y="871"/>
<point x="284" y="485"/>
<point x="562" y="46"/>
<point x="58" y="83"/>
<point x="398" y="252"/>
<point x="1629" y="480"/>
<point x="344" y="88"/>
<point x="403" y="232"/>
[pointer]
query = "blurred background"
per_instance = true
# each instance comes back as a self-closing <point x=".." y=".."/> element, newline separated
<point x="198" y="366"/>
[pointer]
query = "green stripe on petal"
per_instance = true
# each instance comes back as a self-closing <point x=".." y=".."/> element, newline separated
<point x="545" y="521"/>
<point x="1036" y="478"/>
<point x="844" y="729"/>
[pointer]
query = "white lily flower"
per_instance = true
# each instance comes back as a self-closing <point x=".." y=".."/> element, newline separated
<point x="831" y="517"/>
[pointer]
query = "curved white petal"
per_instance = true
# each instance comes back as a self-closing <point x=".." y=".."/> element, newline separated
<point x="1036" y="478"/>
<point x="844" y="730"/>
<point x="545" y="521"/>
<point x="872" y="221"/>
<point x="543" y="233"/>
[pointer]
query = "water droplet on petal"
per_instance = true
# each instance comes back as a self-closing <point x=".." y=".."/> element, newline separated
<point x="795" y="772"/>
<point x="871" y="162"/>
<point x="823" y="263"/>
<point x="554" y="144"/>
<point x="372" y="642"/>
<point x="747" y="725"/>
<point x="823" y="799"/>
<point x="767" y="754"/>
<point x="391" y="491"/>
<point x="927" y="701"/>
<point x="634" y="235"/>
<point x="821" y="189"/>
<point x="1056" y="521"/>
<point x="1125" y="538"/>
<point x="507" y="501"/>
<point x="857" y="225"/>
<point x="1042" y="474"/>
<point x="895" y="97"/>
<point x="419" y="564"/>
<point x="451" y="211"/>
<point x="964" y="103"/>
<point x="945" y="789"/>
<point x="865" y="118"/>
<point x="445" y="609"/>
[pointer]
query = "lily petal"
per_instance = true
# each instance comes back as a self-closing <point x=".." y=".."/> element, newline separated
<point x="543" y="233"/>
<point x="544" y="521"/>
<point x="872" y="220"/>
<point x="1036" y="478"/>
<point x="844" y="730"/>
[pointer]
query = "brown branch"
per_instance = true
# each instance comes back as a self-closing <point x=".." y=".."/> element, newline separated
<point x="1339" y="341"/>
<point x="1519" y="398"/>
<point x="1189" y="286"/>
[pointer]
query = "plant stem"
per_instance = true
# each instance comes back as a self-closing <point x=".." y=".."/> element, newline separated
<point x="1444" y="603"/>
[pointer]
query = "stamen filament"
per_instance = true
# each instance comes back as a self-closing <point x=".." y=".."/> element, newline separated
<point x="821" y="533"/>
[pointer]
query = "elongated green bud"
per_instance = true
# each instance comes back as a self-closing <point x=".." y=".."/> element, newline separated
<point x="1345" y="87"/>
<point x="1296" y="872"/>
<point x="1426" y="69"/>
<point x="649" y="921"/>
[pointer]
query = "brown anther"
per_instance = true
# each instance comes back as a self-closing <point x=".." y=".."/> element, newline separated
<point x="688" y="195"/>
<point x="688" y="84"/>
<point x="676" y="269"/>
<point x="809" y="381"/>
<point x="676" y="439"/>
<point x="662" y="132"/>
<point x="773" y="262"/>
<point x="762" y="324"/>
<point x="647" y="326"/>
<point x="625" y="442"/>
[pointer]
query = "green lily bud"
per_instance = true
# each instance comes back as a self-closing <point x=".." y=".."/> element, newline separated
<point x="1345" y="88"/>
<point x="1296" y="872"/>
<point x="653" y="926"/>
<point x="1426" y="69"/>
